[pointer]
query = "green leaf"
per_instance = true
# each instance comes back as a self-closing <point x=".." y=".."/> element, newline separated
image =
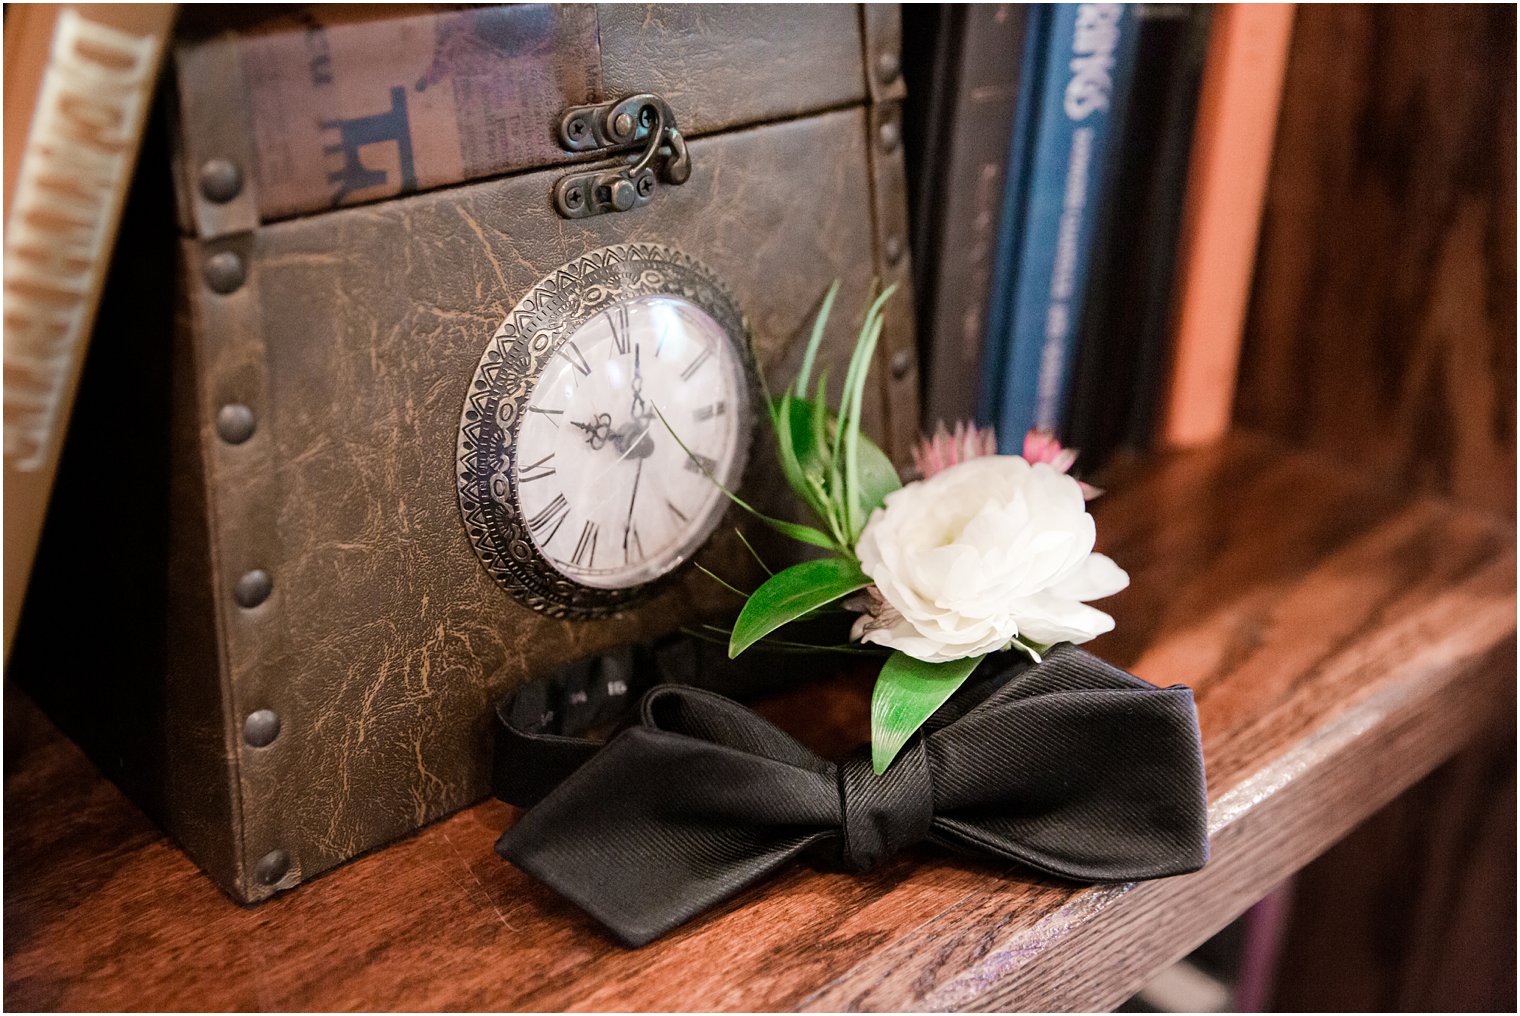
<point x="781" y="413"/>
<point x="808" y="426"/>
<point x="815" y="340"/>
<point x="878" y="477"/>
<point x="820" y="419"/>
<point x="789" y="594"/>
<point x="907" y="693"/>
<point x="796" y="448"/>
<point x="800" y="424"/>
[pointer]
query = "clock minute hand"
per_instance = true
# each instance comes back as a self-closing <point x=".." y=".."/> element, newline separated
<point x="639" y="410"/>
<point x="633" y="499"/>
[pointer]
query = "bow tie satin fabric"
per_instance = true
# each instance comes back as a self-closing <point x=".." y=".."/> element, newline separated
<point x="1070" y="767"/>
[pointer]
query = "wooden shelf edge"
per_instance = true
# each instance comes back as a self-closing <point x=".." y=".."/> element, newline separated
<point x="1105" y="942"/>
<point x="1342" y="639"/>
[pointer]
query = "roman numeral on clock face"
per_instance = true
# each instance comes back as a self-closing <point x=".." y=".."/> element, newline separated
<point x="676" y="511"/>
<point x="585" y="549"/>
<point x="550" y="413"/>
<point x="617" y="317"/>
<point x="570" y="351"/>
<point x="696" y="365"/>
<point x="536" y="470"/>
<point x="549" y="519"/>
<point x="708" y="412"/>
<point x="698" y="463"/>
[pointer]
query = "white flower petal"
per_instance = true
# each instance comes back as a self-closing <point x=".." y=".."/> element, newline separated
<point x="1097" y="577"/>
<point x="983" y="551"/>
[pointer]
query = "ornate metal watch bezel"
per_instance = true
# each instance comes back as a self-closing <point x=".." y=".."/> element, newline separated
<point x="514" y="360"/>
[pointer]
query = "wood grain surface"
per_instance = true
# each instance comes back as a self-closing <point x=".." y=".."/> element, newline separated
<point x="1382" y="325"/>
<point x="1415" y="910"/>
<point x="1342" y="640"/>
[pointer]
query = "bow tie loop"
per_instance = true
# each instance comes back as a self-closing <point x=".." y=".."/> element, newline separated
<point x="882" y="815"/>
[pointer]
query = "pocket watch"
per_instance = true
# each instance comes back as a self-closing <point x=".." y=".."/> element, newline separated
<point x="606" y="411"/>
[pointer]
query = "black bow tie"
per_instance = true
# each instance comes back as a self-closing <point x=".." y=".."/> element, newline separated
<point x="1071" y="767"/>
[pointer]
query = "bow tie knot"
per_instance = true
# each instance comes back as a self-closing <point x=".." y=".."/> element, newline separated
<point x="884" y="814"/>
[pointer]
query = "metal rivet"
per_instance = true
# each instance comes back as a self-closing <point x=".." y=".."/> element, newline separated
<point x="902" y="362"/>
<point x="272" y="867"/>
<point x="261" y="728"/>
<point x="889" y="136"/>
<point x="894" y="250"/>
<point x="622" y="125"/>
<point x="623" y="195"/>
<point x="234" y="423"/>
<point x="224" y="272"/>
<point x="221" y="180"/>
<point x="253" y="588"/>
<point x="887" y="67"/>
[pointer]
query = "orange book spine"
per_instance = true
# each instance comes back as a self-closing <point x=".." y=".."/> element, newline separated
<point x="79" y="80"/>
<point x="1227" y="182"/>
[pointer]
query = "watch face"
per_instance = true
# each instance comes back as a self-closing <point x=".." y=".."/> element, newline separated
<point x="605" y="412"/>
<point x="611" y="497"/>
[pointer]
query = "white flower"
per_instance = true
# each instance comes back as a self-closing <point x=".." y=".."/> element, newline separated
<point x="987" y="550"/>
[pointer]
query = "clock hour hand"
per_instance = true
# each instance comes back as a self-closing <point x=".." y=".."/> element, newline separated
<point x="598" y="431"/>
<point x="632" y="439"/>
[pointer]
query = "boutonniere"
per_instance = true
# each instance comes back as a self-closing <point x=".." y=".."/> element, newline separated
<point x="978" y="553"/>
<point x="1051" y="758"/>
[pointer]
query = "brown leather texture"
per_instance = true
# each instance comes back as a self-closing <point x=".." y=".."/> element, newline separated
<point x="345" y="105"/>
<point x="384" y="644"/>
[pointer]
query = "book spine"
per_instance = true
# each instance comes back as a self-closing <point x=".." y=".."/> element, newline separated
<point x="79" y="83"/>
<point x="1090" y="58"/>
<point x="1125" y="325"/>
<point x="1010" y="231"/>
<point x="1227" y="183"/>
<point x="970" y="194"/>
<point x="1164" y="229"/>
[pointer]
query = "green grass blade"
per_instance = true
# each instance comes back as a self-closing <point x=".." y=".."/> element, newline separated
<point x="726" y="585"/>
<point x="795" y="530"/>
<point x="752" y="551"/>
<point x="848" y="501"/>
<point x="853" y="499"/>
<point x="815" y="340"/>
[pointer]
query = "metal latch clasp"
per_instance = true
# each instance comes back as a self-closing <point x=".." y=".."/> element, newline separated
<point x="614" y="127"/>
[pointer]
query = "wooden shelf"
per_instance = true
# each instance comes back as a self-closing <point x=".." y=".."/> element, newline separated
<point x="1342" y="640"/>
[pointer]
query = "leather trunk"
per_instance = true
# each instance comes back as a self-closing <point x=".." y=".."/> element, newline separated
<point x="296" y="651"/>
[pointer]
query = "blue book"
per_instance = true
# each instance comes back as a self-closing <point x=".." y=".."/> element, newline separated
<point x="1089" y="55"/>
<point x="1000" y="293"/>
